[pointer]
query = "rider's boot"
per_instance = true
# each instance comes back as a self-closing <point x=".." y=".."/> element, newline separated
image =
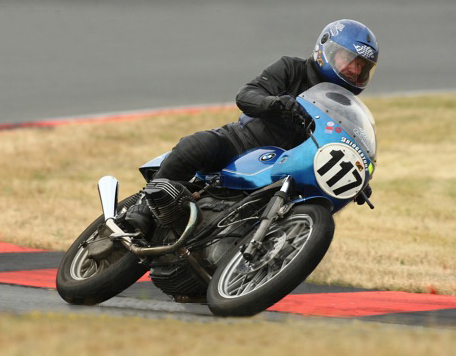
<point x="140" y="216"/>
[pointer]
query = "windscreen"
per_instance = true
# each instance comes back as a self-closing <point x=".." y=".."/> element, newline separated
<point x="353" y="68"/>
<point x="348" y="111"/>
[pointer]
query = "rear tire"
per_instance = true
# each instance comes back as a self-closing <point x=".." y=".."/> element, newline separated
<point x="81" y="280"/>
<point x="295" y="245"/>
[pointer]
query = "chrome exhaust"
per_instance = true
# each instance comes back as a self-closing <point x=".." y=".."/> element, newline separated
<point x="125" y="238"/>
<point x="108" y="190"/>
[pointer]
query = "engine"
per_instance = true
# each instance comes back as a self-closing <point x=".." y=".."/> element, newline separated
<point x="168" y="200"/>
<point x="178" y="281"/>
<point x="174" y="276"/>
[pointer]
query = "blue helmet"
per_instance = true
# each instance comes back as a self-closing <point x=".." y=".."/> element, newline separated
<point x="346" y="54"/>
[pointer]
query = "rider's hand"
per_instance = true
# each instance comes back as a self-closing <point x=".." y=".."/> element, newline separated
<point x="292" y="110"/>
<point x="287" y="108"/>
<point x="360" y="199"/>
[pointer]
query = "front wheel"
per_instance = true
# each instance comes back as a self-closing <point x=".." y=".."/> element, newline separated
<point x="292" y="249"/>
<point x="83" y="279"/>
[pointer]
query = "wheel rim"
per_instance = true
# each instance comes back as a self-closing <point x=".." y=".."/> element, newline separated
<point x="284" y="242"/>
<point x="83" y="267"/>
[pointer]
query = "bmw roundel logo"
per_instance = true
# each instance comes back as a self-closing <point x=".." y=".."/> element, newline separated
<point x="267" y="156"/>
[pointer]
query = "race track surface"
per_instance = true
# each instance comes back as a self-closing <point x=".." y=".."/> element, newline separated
<point x="21" y="267"/>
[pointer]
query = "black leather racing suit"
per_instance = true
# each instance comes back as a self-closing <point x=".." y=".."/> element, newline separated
<point x="259" y="125"/>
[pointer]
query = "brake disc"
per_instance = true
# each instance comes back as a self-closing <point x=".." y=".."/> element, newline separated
<point x="273" y="245"/>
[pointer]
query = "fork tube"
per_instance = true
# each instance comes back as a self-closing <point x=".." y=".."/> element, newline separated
<point x="269" y="214"/>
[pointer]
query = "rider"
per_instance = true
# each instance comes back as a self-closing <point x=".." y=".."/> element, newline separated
<point x="346" y="54"/>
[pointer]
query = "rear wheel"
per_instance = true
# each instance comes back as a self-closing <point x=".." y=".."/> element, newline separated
<point x="94" y="269"/>
<point x="292" y="249"/>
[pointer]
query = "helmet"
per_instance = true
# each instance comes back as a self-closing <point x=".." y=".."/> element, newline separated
<point x="346" y="54"/>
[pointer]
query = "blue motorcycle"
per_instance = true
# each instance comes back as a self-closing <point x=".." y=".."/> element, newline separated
<point x="240" y="239"/>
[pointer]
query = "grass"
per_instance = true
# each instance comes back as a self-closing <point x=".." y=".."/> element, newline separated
<point x="74" y="335"/>
<point x="48" y="189"/>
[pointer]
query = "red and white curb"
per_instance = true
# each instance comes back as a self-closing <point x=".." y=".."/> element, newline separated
<point x="345" y="305"/>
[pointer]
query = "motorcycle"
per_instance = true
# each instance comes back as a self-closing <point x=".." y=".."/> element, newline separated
<point x="240" y="239"/>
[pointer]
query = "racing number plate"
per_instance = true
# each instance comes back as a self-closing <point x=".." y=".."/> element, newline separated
<point x="339" y="170"/>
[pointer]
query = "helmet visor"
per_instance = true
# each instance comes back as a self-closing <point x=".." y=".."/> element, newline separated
<point x="348" y="65"/>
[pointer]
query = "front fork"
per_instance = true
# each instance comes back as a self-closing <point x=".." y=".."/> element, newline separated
<point x="267" y="218"/>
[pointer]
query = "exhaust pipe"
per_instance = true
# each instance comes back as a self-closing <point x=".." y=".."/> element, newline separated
<point x="108" y="189"/>
<point x="157" y="250"/>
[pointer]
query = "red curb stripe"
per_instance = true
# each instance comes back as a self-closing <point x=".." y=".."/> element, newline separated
<point x="11" y="248"/>
<point x="44" y="278"/>
<point x="357" y="304"/>
<point x="123" y="116"/>
<point x="41" y="278"/>
<point x="360" y="304"/>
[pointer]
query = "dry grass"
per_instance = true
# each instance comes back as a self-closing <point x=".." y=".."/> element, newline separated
<point x="48" y="334"/>
<point x="48" y="189"/>
<point x="49" y="176"/>
<point x="408" y="241"/>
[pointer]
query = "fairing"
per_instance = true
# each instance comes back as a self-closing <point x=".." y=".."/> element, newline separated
<point x="346" y="110"/>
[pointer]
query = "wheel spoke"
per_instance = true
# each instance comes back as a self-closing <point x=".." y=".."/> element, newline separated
<point x="299" y="231"/>
<point x="104" y="264"/>
<point x="292" y="232"/>
<point x="247" y="287"/>
<point x="90" y="271"/>
<point x="283" y="243"/>
<point x="268" y="276"/>
<point x="299" y="240"/>
<point x="242" y="287"/>
<point x="289" y="258"/>
<point x="86" y="264"/>
<point x="236" y="280"/>
<point x="255" y="281"/>
<point x="235" y="285"/>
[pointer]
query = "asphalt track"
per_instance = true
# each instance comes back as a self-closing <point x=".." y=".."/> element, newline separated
<point x="22" y="268"/>
<point x="67" y="59"/>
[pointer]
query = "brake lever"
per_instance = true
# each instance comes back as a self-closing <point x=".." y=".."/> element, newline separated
<point x="367" y="200"/>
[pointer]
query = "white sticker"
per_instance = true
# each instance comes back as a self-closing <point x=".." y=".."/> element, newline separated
<point x="339" y="170"/>
<point x="335" y="28"/>
<point x="365" y="51"/>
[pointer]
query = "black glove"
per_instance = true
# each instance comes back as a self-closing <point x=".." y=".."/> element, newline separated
<point x="360" y="199"/>
<point x="292" y="110"/>
<point x="287" y="108"/>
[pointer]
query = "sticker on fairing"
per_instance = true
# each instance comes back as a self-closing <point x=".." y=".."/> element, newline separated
<point x="336" y="168"/>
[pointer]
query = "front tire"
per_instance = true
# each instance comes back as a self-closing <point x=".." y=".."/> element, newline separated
<point x="85" y="281"/>
<point x="294" y="246"/>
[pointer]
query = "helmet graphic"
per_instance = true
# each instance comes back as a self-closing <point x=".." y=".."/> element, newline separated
<point x="346" y="54"/>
